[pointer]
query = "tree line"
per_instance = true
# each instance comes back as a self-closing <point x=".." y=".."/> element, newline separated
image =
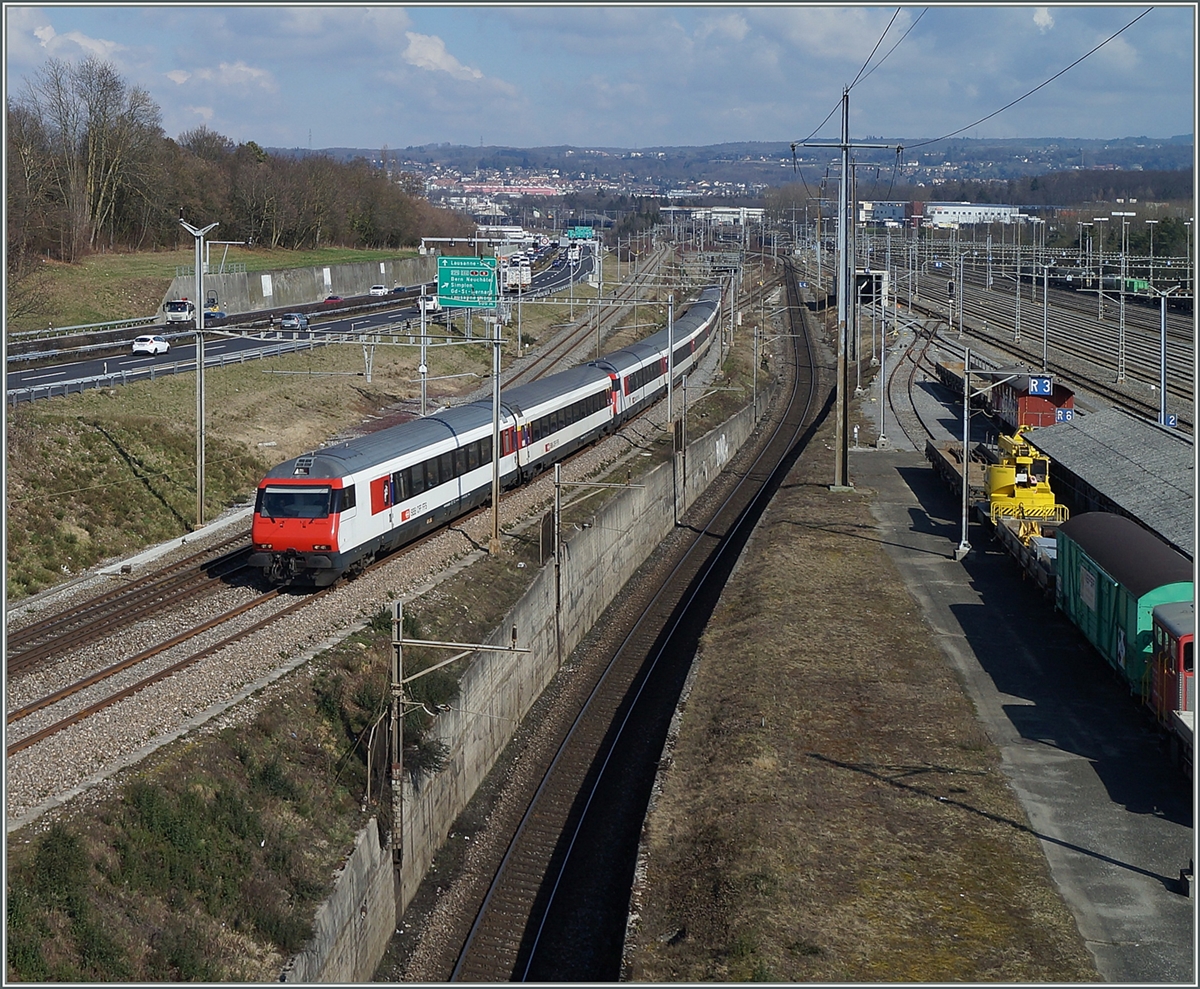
<point x="90" y="169"/>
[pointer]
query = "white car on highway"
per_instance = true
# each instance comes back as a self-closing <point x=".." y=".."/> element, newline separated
<point x="151" y="345"/>
<point x="379" y="290"/>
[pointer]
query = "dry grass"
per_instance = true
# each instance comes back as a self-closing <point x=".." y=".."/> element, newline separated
<point x="122" y="285"/>
<point x="834" y="811"/>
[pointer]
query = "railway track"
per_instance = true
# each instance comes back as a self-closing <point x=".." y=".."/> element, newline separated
<point x="557" y="904"/>
<point x="32" y="645"/>
<point x="1083" y="351"/>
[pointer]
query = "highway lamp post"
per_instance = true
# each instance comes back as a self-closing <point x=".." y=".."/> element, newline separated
<point x="198" y="233"/>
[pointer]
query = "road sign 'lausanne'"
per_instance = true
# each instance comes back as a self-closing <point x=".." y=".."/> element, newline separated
<point x="467" y="282"/>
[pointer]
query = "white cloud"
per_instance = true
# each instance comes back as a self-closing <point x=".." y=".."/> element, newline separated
<point x="74" y="42"/>
<point x="427" y="51"/>
<point x="1043" y="20"/>
<point x="205" y="113"/>
<point x="178" y="76"/>
<point x="236" y="74"/>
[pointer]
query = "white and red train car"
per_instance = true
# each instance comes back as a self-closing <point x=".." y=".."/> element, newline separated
<point x="333" y="511"/>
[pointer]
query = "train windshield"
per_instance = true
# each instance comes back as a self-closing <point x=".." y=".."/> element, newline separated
<point x="293" y="502"/>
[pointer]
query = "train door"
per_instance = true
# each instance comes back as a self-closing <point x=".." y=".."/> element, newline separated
<point x="383" y="492"/>
<point x="1172" y="675"/>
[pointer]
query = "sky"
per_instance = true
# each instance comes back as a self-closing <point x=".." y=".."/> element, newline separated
<point x="628" y="75"/>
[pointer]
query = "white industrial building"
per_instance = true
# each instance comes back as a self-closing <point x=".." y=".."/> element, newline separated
<point x="720" y="215"/>
<point x="882" y="212"/>
<point x="963" y="214"/>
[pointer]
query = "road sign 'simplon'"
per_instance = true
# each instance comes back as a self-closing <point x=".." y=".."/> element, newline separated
<point x="580" y="233"/>
<point x="467" y="282"/>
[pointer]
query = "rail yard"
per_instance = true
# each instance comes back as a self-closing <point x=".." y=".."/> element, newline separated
<point x="542" y="888"/>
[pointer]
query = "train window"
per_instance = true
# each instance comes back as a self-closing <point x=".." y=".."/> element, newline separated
<point x="446" y="466"/>
<point x="343" y="499"/>
<point x="472" y="455"/>
<point x="485" y="450"/>
<point x="299" y="502"/>
<point x="416" y="475"/>
<point x="1187" y="657"/>
<point x="431" y="473"/>
<point x="401" y="485"/>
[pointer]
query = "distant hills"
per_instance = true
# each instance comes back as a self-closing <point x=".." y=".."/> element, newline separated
<point x="758" y="164"/>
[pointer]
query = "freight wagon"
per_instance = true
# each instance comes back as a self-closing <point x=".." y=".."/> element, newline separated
<point x="1127" y="591"/>
<point x="1015" y="400"/>
<point x="1112" y="573"/>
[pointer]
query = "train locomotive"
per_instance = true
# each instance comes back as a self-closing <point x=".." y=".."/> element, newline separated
<point x="333" y="511"/>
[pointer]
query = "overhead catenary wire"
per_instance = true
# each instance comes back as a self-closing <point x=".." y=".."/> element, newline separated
<point x="876" y="48"/>
<point x="1041" y="85"/>
<point x="924" y="11"/>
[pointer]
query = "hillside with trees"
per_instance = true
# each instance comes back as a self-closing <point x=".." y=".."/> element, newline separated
<point x="90" y="169"/>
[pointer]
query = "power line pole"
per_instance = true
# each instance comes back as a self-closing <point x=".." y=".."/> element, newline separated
<point x="841" y="480"/>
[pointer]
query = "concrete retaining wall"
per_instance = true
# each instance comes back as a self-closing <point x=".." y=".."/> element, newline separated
<point x="251" y="291"/>
<point x="496" y="692"/>
<point x="354" y="925"/>
<point x="499" y="689"/>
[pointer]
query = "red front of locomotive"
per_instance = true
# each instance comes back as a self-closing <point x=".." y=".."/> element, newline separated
<point x="295" y="530"/>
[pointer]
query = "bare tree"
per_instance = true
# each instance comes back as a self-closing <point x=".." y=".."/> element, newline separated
<point x="206" y="143"/>
<point x="99" y="131"/>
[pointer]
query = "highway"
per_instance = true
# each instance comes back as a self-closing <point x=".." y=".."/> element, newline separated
<point x="243" y="336"/>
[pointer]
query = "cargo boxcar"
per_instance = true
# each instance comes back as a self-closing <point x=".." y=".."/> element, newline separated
<point x="1111" y="575"/>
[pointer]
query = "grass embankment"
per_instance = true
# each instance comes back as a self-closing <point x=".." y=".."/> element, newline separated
<point x="106" y="287"/>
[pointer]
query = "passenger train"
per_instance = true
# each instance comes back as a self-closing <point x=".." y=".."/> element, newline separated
<point x="333" y="511"/>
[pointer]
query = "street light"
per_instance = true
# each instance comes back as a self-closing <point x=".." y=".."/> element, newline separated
<point x="1151" y="224"/>
<point x="198" y="234"/>
<point x="1121" y="330"/>
<point x="1100" y="267"/>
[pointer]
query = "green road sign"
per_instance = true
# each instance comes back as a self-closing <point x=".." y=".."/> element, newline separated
<point x="580" y="233"/>
<point x="467" y="282"/>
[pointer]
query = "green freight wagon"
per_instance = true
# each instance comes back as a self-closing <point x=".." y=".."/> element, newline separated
<point x="1111" y="574"/>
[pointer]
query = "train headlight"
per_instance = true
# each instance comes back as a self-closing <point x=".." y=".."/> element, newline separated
<point x="264" y="545"/>
<point x="321" y="546"/>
